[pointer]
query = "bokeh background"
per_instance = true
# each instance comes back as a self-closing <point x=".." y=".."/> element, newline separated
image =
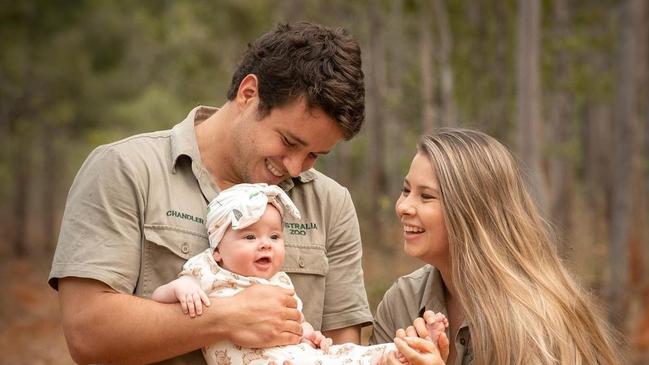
<point x="564" y="83"/>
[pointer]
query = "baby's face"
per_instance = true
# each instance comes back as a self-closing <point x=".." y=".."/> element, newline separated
<point x="257" y="250"/>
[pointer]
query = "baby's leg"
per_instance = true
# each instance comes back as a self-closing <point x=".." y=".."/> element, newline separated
<point x="436" y="323"/>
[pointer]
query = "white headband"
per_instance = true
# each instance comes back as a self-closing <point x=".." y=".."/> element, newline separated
<point x="242" y="205"/>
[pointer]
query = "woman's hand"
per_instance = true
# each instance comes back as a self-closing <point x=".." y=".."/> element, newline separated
<point x="431" y="328"/>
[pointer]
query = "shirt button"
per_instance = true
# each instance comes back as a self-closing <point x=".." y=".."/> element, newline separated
<point x="462" y="341"/>
<point x="300" y="262"/>
<point x="184" y="248"/>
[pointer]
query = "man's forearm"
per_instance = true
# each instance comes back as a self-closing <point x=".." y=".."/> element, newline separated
<point x="108" y="327"/>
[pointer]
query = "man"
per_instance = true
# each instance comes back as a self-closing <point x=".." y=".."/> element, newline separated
<point x="136" y="211"/>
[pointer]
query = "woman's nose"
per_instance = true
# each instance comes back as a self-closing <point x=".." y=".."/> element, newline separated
<point x="404" y="207"/>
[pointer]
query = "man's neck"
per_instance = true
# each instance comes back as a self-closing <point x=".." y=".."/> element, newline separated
<point x="214" y="143"/>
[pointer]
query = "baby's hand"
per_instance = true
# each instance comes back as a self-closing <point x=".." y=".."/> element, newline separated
<point x="317" y="340"/>
<point x="436" y="323"/>
<point x="190" y="295"/>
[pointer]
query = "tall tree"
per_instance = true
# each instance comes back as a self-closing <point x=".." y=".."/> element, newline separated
<point x="426" y="67"/>
<point x="530" y="139"/>
<point x="561" y="136"/>
<point x="624" y="152"/>
<point x="376" y="86"/>
<point x="444" y="51"/>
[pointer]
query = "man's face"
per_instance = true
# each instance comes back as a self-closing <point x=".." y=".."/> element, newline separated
<point x="283" y="144"/>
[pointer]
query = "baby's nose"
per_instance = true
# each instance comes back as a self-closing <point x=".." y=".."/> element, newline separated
<point x="264" y="243"/>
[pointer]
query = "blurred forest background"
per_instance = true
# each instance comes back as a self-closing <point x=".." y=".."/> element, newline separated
<point x="564" y="83"/>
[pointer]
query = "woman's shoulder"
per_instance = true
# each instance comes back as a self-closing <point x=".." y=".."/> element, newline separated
<point x="416" y="279"/>
<point x="411" y="288"/>
<point x="401" y="303"/>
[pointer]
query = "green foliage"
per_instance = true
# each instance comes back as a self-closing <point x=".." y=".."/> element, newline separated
<point x="91" y="72"/>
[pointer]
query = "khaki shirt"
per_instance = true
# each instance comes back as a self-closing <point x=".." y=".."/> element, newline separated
<point x="136" y="212"/>
<point x="408" y="298"/>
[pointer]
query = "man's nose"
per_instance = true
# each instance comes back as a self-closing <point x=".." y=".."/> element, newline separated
<point x="294" y="164"/>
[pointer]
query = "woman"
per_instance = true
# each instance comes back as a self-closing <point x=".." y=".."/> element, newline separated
<point x="493" y="267"/>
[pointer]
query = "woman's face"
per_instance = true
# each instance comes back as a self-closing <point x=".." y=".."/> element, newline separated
<point x="420" y="210"/>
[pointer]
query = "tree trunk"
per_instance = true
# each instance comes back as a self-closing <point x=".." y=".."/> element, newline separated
<point x="561" y="136"/>
<point x="426" y="47"/>
<point x="596" y="137"/>
<point x="499" y="117"/>
<point x="376" y="88"/>
<point x="624" y="148"/>
<point x="22" y="177"/>
<point x="50" y="189"/>
<point x="529" y="96"/>
<point x="449" y="112"/>
<point x="397" y="110"/>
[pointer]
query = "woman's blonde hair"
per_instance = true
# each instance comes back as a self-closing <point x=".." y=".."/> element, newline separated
<point x="521" y="304"/>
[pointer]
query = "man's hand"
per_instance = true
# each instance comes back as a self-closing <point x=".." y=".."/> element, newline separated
<point x="262" y="316"/>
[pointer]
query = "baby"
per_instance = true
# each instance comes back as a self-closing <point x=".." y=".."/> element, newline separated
<point x="247" y="247"/>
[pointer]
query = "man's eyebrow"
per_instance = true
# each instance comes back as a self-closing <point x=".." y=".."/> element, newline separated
<point x="301" y="142"/>
<point x="295" y="138"/>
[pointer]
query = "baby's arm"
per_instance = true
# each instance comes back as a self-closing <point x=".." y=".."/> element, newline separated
<point x="186" y="290"/>
<point x="315" y="338"/>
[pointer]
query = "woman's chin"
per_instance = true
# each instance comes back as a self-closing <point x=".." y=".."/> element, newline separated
<point x="410" y="250"/>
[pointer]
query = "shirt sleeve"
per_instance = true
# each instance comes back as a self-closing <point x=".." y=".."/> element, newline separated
<point x="100" y="235"/>
<point x="345" y="297"/>
<point x="384" y="328"/>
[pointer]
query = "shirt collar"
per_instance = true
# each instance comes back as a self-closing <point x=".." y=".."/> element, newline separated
<point x="183" y="136"/>
<point x="433" y="297"/>
<point x="305" y="177"/>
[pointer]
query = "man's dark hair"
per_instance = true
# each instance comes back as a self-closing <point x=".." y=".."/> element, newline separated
<point x="303" y="59"/>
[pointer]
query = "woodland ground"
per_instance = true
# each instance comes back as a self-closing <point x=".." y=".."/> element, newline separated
<point x="30" y="325"/>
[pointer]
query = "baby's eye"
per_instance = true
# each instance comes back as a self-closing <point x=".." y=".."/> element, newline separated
<point x="405" y="191"/>
<point x="275" y="237"/>
<point x="249" y="237"/>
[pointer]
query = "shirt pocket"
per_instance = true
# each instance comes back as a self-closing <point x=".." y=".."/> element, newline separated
<point x="308" y="265"/>
<point x="165" y="250"/>
<point x="305" y="259"/>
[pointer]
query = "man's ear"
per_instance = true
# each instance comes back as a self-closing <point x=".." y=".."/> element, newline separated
<point x="248" y="90"/>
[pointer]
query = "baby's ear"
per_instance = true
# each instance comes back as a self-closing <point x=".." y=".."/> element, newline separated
<point x="217" y="255"/>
